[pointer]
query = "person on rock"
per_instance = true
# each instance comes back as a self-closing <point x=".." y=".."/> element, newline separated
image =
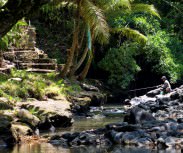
<point x="166" y="87"/>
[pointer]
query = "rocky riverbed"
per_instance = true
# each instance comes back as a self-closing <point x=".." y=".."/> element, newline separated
<point x="152" y="120"/>
<point x="26" y="117"/>
<point x="21" y="119"/>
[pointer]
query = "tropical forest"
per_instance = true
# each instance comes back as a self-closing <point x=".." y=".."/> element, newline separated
<point x="91" y="76"/>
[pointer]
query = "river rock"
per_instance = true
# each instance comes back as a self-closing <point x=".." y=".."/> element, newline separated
<point x="5" y="123"/>
<point x="5" y="105"/>
<point x="20" y="129"/>
<point x="142" y="99"/>
<point x="69" y="136"/>
<point x="84" y="139"/>
<point x="174" y="95"/>
<point x="153" y="93"/>
<point x="150" y="122"/>
<point x="5" y="130"/>
<point x="4" y="100"/>
<point x="129" y="138"/>
<point x="138" y="115"/>
<point x="88" y="87"/>
<point x="26" y="117"/>
<point x="116" y="136"/>
<point x="56" y="113"/>
<point x="180" y="120"/>
<point x="80" y="105"/>
<point x="163" y="99"/>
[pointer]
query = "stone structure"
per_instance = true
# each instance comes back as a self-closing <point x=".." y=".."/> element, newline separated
<point x="27" y="56"/>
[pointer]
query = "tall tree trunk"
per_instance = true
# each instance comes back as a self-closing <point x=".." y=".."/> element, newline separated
<point x="70" y="57"/>
<point x="76" y="63"/>
<point x="1" y="58"/>
<point x="82" y="58"/>
<point x="83" y="74"/>
<point x="70" y="53"/>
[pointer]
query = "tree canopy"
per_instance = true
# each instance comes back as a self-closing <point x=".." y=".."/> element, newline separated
<point x="122" y="38"/>
<point x="13" y="10"/>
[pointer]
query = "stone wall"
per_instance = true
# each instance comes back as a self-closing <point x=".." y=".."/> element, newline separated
<point x="28" y="38"/>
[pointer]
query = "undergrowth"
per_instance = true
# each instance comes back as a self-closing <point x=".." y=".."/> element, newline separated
<point x="33" y="85"/>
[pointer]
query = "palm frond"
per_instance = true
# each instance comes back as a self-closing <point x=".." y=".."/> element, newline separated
<point x="145" y="8"/>
<point x="131" y="34"/>
<point x="113" y="4"/>
<point x="93" y="16"/>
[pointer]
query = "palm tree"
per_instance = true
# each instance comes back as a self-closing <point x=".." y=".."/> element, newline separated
<point x="91" y="25"/>
<point x="89" y="20"/>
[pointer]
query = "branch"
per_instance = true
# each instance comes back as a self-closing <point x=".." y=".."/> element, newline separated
<point x="15" y="10"/>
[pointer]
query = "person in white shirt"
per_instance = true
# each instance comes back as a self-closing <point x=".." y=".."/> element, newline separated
<point x="166" y="87"/>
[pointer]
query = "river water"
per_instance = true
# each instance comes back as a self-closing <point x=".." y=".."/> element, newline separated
<point x="81" y="124"/>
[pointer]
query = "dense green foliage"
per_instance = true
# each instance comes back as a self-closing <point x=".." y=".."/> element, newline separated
<point x="33" y="85"/>
<point x="163" y="51"/>
<point x="121" y="64"/>
<point x="136" y="30"/>
<point x="54" y="30"/>
<point x="13" y="37"/>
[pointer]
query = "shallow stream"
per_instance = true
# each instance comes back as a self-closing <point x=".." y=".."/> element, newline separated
<point x="81" y="124"/>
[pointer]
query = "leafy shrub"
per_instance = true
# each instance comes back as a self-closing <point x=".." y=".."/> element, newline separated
<point x="161" y="51"/>
<point x="121" y="65"/>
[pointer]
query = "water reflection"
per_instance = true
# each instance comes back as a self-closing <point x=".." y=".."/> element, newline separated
<point x="49" y="148"/>
<point x="81" y="124"/>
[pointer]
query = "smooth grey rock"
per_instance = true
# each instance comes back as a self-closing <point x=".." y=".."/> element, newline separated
<point x="138" y="115"/>
<point x="15" y="79"/>
<point x="129" y="138"/>
<point x="20" y="129"/>
<point x="54" y="112"/>
<point x="144" y="142"/>
<point x="25" y="116"/>
<point x="153" y="93"/>
<point x="170" y="142"/>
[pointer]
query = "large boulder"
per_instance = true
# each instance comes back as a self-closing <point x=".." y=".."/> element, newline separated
<point x="19" y="130"/>
<point x="5" y="130"/>
<point x="153" y="93"/>
<point x="96" y="98"/>
<point x="137" y="115"/>
<point x="142" y="99"/>
<point x="5" y="123"/>
<point x="5" y="104"/>
<point x="26" y="117"/>
<point x="80" y="105"/>
<point x="51" y="112"/>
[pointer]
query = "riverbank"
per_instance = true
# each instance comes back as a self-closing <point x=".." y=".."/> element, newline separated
<point x="153" y="121"/>
<point x="32" y="102"/>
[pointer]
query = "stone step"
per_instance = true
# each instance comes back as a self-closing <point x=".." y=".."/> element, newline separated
<point x="43" y="56"/>
<point x="44" y="60"/>
<point x="5" y="70"/>
<point x="20" y="49"/>
<point x="40" y="70"/>
<point x="51" y="66"/>
<point x="20" y="55"/>
<point x="37" y="60"/>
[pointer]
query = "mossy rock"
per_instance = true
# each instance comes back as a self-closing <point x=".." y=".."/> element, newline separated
<point x="5" y="104"/>
<point x="5" y="123"/>
<point x="26" y="117"/>
<point x="20" y="129"/>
